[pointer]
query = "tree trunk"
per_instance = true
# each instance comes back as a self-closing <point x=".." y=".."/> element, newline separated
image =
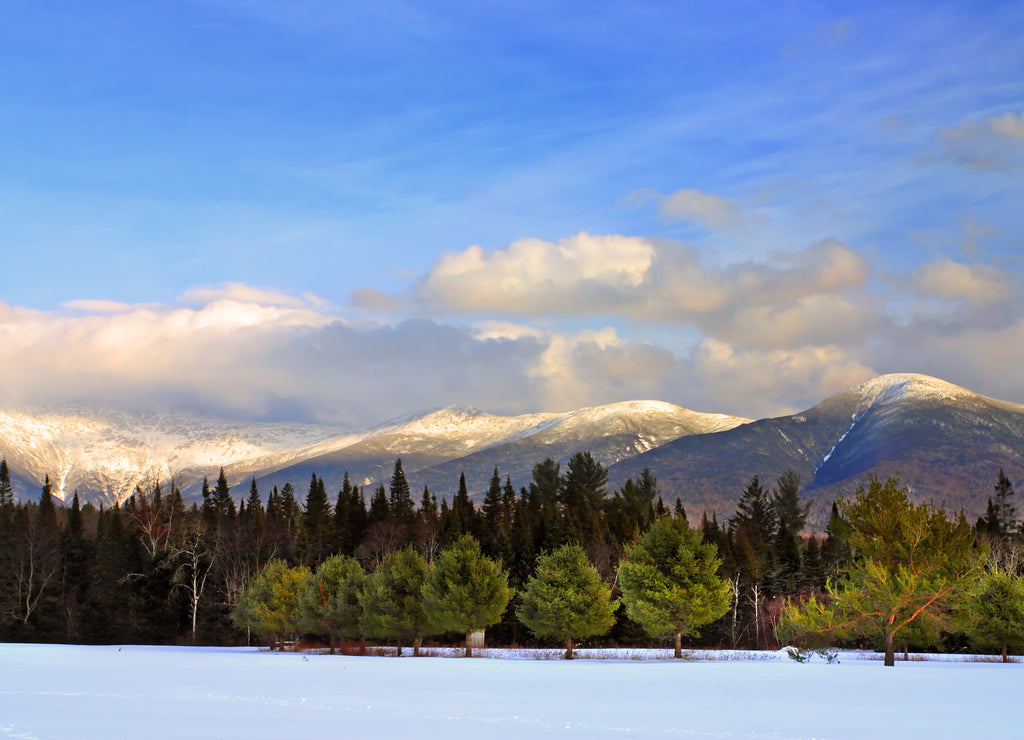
<point x="568" y="648"/>
<point x="469" y="644"/>
<point x="416" y="647"/>
<point x="679" y="644"/>
<point x="890" y="652"/>
<point x="1006" y="658"/>
<point x="398" y="650"/>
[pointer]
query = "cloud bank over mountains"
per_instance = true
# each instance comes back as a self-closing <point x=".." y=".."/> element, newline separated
<point x="488" y="328"/>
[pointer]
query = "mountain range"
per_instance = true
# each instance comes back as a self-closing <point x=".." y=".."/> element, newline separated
<point x="945" y="442"/>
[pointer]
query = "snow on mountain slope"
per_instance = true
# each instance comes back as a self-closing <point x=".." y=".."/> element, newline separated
<point x="105" y="454"/>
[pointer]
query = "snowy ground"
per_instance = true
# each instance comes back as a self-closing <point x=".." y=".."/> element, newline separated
<point x="52" y="691"/>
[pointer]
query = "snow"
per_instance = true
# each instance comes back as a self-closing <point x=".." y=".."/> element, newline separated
<point x="54" y="691"/>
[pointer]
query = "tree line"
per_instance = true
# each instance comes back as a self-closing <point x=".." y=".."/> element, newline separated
<point x="155" y="570"/>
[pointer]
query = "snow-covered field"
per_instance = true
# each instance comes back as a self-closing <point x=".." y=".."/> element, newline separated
<point x="52" y="691"/>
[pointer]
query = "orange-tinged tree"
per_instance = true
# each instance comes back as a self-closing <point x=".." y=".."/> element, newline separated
<point x="909" y="563"/>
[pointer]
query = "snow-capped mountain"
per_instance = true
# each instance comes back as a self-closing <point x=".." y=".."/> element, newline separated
<point x="104" y="454"/>
<point x="435" y="449"/>
<point x="944" y="442"/>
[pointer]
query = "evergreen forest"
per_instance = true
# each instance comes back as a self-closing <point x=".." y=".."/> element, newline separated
<point x="559" y="561"/>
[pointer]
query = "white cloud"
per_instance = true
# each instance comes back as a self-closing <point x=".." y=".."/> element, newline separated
<point x="952" y="280"/>
<point x="689" y="204"/>
<point x="657" y="280"/>
<point x="532" y="276"/>
<point x="241" y="293"/>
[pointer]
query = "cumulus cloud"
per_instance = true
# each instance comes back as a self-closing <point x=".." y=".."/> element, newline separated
<point x="799" y="295"/>
<point x="531" y="276"/>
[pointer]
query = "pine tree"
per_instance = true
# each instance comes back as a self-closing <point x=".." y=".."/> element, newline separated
<point x="464" y="590"/>
<point x="392" y="600"/>
<point x="566" y="599"/>
<point x="270" y="604"/>
<point x="670" y="583"/>
<point x="329" y="605"/>
<point x="911" y="563"/>
<point x="992" y="614"/>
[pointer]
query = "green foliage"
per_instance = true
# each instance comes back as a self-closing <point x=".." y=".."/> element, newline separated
<point x="270" y="605"/>
<point x="992" y="614"/>
<point x="566" y="599"/>
<point x="392" y="599"/>
<point x="909" y="564"/>
<point x="464" y="591"/>
<point x="670" y="583"/>
<point x="330" y="606"/>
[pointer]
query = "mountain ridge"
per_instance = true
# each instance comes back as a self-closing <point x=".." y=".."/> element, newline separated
<point x="945" y="441"/>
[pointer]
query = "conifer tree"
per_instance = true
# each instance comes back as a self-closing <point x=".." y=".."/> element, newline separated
<point x="6" y="491"/>
<point x="223" y="504"/>
<point x="380" y="509"/>
<point x="400" y="502"/>
<point x="317" y="525"/>
<point x="566" y="599"/>
<point x="910" y="564"/>
<point x="992" y="614"/>
<point x="392" y="600"/>
<point x="670" y="583"/>
<point x="270" y="605"/>
<point x="254" y="505"/>
<point x="494" y="523"/>
<point x="582" y="500"/>
<point x="329" y="604"/>
<point x="464" y="590"/>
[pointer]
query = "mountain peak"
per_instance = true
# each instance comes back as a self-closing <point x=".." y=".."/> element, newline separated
<point x="895" y="387"/>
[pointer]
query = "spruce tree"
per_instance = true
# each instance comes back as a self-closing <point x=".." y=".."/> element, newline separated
<point x="400" y="503"/>
<point x="317" y="524"/>
<point x="223" y="504"/>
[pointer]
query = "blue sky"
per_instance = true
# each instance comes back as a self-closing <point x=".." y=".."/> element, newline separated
<point x="316" y="211"/>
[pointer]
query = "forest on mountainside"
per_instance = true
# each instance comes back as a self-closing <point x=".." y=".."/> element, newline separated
<point x="157" y="571"/>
